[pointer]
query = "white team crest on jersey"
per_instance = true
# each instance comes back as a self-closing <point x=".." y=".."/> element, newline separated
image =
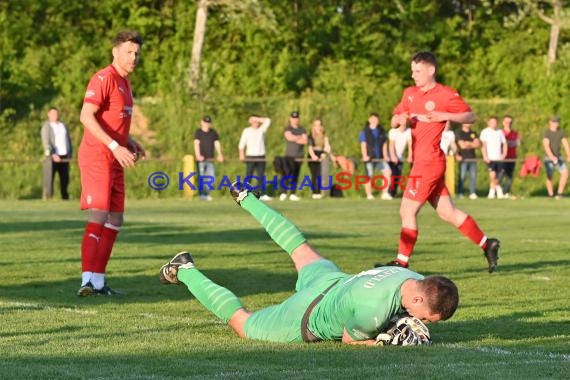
<point x="430" y="105"/>
<point x="411" y="98"/>
<point x="101" y="77"/>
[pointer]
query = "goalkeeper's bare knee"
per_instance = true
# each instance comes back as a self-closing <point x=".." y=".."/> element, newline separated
<point x="237" y="321"/>
<point x="304" y="255"/>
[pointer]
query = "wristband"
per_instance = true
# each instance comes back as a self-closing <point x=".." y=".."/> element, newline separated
<point x="113" y="145"/>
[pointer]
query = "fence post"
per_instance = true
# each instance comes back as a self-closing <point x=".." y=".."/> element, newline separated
<point x="189" y="167"/>
<point x="450" y="175"/>
<point x="47" y="188"/>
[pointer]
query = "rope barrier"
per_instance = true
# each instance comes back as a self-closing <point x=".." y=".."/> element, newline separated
<point x="72" y="160"/>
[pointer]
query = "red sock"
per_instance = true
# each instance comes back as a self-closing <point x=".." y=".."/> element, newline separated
<point x="470" y="229"/>
<point x="89" y="244"/>
<point x="408" y="238"/>
<point x="108" y="236"/>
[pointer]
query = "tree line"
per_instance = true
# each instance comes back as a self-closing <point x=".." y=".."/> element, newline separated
<point x="335" y="59"/>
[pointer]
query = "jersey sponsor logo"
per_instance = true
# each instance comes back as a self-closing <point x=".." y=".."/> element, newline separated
<point x="430" y="105"/>
<point x="411" y="98"/>
<point x="121" y="89"/>
<point x="101" y="77"/>
<point x="413" y="192"/>
<point x="89" y="93"/>
<point x="126" y="113"/>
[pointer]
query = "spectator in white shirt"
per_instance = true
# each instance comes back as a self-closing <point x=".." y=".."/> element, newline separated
<point x="400" y="140"/>
<point x="252" y="149"/>
<point x="494" y="149"/>
<point x="57" y="152"/>
<point x="447" y="143"/>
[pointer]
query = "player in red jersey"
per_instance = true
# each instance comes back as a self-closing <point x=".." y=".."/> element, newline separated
<point x="105" y="150"/>
<point x="427" y="106"/>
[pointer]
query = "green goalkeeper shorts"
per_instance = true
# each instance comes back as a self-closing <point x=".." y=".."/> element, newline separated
<point x="282" y="322"/>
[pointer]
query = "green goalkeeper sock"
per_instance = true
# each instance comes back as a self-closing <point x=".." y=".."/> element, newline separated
<point x="282" y="231"/>
<point x="217" y="299"/>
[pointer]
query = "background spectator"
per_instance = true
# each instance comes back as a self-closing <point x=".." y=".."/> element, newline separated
<point x="399" y="140"/>
<point x="468" y="143"/>
<point x="319" y="148"/>
<point x="252" y="148"/>
<point x="553" y="141"/>
<point x="57" y="152"/>
<point x="494" y="149"/>
<point x="206" y="143"/>
<point x="513" y="142"/>
<point x="447" y="144"/>
<point x="296" y="139"/>
<point x="374" y="149"/>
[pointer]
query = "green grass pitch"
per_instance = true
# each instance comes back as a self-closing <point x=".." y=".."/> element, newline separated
<point x="513" y="324"/>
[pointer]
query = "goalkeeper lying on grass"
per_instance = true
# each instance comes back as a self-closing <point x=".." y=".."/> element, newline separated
<point x="365" y="308"/>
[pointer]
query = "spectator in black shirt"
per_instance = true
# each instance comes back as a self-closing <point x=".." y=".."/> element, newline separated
<point x="296" y="139"/>
<point x="206" y="143"/>
<point x="468" y="142"/>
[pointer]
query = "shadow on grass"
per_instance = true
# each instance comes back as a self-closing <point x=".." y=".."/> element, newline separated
<point x="515" y="326"/>
<point x="46" y="225"/>
<point x="518" y="267"/>
<point x="190" y="235"/>
<point x="146" y="289"/>
<point x="55" y="330"/>
<point x="143" y="233"/>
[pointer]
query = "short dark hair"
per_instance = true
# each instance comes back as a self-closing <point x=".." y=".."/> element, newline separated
<point x="425" y="57"/>
<point x="375" y="114"/>
<point x="128" y="36"/>
<point x="442" y="295"/>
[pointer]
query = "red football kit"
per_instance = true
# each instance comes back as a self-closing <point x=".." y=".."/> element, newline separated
<point x="511" y="150"/>
<point x="102" y="177"/>
<point x="429" y="159"/>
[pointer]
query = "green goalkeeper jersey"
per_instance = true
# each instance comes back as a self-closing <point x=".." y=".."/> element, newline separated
<point x="362" y="303"/>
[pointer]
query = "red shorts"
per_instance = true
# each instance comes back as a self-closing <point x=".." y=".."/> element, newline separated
<point x="426" y="182"/>
<point x="102" y="183"/>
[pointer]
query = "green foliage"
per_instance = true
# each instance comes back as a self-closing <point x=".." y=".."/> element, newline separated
<point x="335" y="61"/>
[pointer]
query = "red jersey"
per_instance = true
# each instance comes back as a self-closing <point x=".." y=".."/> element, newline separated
<point x="426" y="136"/>
<point x="112" y="93"/>
<point x="512" y="142"/>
